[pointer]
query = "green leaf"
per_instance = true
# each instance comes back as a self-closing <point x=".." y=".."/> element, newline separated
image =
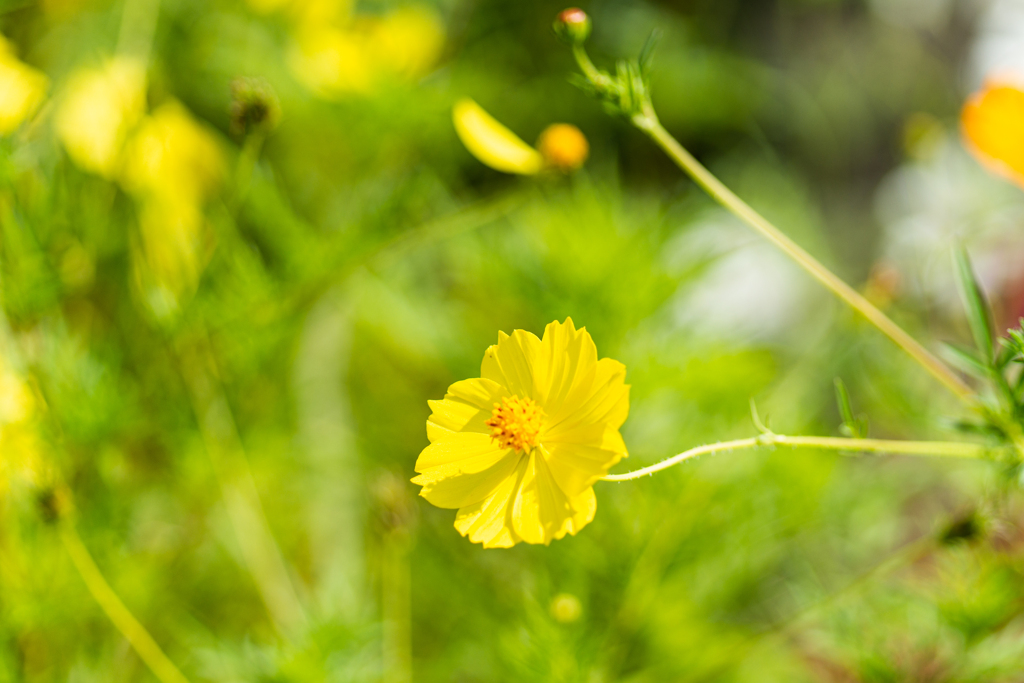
<point x="647" y="51"/>
<point x="966" y="360"/>
<point x="979" y="316"/>
<point x="852" y="426"/>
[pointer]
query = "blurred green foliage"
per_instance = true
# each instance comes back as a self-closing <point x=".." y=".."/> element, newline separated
<point x="355" y="260"/>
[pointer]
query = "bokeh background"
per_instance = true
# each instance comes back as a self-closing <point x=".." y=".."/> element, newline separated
<point x="225" y="304"/>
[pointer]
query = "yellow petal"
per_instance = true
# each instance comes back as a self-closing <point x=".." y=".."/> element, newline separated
<point x="464" y="453"/>
<point x="466" y="408"/>
<point x="526" y="506"/>
<point x="463" y="469"/>
<point x="492" y="143"/>
<point x="576" y="467"/>
<point x="489" y="521"/>
<point x="992" y="122"/>
<point x="542" y="512"/>
<point x="511" y="363"/>
<point x="599" y="395"/>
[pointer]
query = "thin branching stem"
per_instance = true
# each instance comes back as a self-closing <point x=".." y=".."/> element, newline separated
<point x="728" y="199"/>
<point x="125" y="622"/>
<point x="948" y="449"/>
<point x="644" y="117"/>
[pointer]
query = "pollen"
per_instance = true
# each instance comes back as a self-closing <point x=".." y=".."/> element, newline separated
<point x="516" y="423"/>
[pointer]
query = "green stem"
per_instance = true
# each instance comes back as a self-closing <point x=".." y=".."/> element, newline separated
<point x="220" y="435"/>
<point x="134" y="632"/>
<point x="724" y="196"/>
<point x="644" y="117"/>
<point x="948" y="449"/>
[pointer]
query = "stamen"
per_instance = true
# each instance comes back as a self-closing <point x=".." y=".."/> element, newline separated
<point x="516" y="423"/>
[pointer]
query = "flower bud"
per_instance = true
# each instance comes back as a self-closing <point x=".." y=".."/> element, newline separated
<point x="566" y="608"/>
<point x="563" y="147"/>
<point x="254" y="106"/>
<point x="572" y="25"/>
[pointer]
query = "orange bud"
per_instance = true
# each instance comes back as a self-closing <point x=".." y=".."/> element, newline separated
<point x="563" y="147"/>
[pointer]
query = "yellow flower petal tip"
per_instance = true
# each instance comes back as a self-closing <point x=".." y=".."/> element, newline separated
<point x="992" y="122"/>
<point x="563" y="146"/>
<point x="22" y="89"/>
<point x="517" y="450"/>
<point x="492" y="143"/>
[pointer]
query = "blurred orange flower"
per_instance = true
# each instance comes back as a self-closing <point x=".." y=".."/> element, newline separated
<point x="992" y="121"/>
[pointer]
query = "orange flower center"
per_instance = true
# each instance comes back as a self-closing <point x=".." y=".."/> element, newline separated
<point x="516" y="422"/>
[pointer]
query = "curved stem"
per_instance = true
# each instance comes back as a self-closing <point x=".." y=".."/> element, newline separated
<point x="724" y="196"/>
<point x="134" y="632"/>
<point x="948" y="449"/>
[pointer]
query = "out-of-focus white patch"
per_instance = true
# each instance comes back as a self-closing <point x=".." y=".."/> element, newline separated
<point x="914" y="14"/>
<point x="998" y="51"/>
<point x="749" y="291"/>
<point x="927" y="207"/>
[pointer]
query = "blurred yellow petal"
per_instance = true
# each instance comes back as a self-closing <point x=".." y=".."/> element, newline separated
<point x="172" y="165"/>
<point x="408" y="41"/>
<point x="174" y="156"/>
<point x="22" y="89"/>
<point x="332" y="62"/>
<point x="492" y="143"/>
<point x="21" y="454"/>
<point x="993" y="126"/>
<point x="563" y="146"/>
<point x="97" y="111"/>
<point x="518" y="450"/>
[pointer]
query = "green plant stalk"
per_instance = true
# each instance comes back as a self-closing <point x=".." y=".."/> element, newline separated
<point x="134" y="632"/>
<point x="647" y="121"/>
<point x="724" y="196"/>
<point x="948" y="449"/>
<point x="259" y="549"/>
<point x="396" y="599"/>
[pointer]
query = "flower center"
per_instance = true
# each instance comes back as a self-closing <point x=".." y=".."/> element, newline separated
<point x="516" y="422"/>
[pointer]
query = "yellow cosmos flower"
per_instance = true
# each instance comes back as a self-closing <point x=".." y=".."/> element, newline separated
<point x="993" y="127"/>
<point x="518" y="450"/>
<point x="562" y="146"/>
<point x="98" y="110"/>
<point x="21" y="89"/>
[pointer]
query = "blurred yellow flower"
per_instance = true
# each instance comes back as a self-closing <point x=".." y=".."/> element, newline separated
<point x="173" y="156"/>
<point x="172" y="166"/>
<point x="98" y="110"/>
<point x="562" y="146"/>
<point x="331" y="61"/>
<point x="518" y="450"/>
<point x="336" y="58"/>
<point x="19" y="442"/>
<point x="407" y="42"/>
<point x="22" y="89"/>
<point x="992" y="122"/>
